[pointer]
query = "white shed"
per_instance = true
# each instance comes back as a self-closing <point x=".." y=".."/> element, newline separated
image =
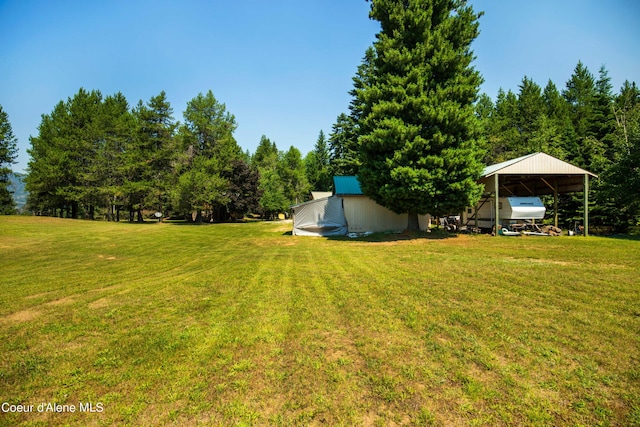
<point x="365" y="215"/>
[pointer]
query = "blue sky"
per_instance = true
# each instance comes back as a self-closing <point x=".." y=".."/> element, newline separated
<point x="284" y="67"/>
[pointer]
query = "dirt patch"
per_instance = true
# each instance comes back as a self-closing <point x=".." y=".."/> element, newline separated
<point x="22" y="316"/>
<point x="100" y="303"/>
<point x="35" y="296"/>
<point x="538" y="261"/>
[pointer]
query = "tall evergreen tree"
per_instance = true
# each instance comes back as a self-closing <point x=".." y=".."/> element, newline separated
<point x="291" y="170"/>
<point x="581" y="94"/>
<point x="530" y="116"/>
<point x="622" y="179"/>
<point x="109" y="166"/>
<point x="207" y="139"/>
<point x="149" y="156"/>
<point x="155" y="143"/>
<point x="343" y="140"/>
<point x="8" y="154"/>
<point x="317" y="165"/>
<point x="343" y="147"/>
<point x="503" y="136"/>
<point x="46" y="166"/>
<point x="419" y="134"/>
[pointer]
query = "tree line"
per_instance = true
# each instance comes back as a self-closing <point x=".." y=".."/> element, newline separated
<point x="95" y="156"/>
<point x="584" y="123"/>
<point x="417" y="133"/>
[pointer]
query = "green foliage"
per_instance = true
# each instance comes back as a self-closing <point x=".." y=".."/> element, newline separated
<point x="317" y="166"/>
<point x="343" y="145"/>
<point x="585" y="124"/>
<point x="243" y="194"/>
<point x="418" y="133"/>
<point x="343" y="140"/>
<point x="273" y="200"/>
<point x="154" y="149"/>
<point x="95" y="155"/>
<point x="291" y="170"/>
<point x="8" y="154"/>
<point x="210" y="150"/>
<point x="266" y="160"/>
<point x="623" y="178"/>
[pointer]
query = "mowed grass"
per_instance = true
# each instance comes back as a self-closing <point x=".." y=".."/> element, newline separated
<point x="244" y="324"/>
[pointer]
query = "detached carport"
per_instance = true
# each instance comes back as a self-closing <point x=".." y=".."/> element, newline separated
<point x="537" y="174"/>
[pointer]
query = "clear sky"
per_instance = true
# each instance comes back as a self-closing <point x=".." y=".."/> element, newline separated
<point x="282" y="67"/>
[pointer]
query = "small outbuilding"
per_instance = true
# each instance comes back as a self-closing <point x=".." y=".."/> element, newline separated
<point x="364" y="215"/>
<point x="347" y="211"/>
<point x="532" y="175"/>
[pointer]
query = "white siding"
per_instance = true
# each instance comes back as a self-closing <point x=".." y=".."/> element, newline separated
<point x="363" y="214"/>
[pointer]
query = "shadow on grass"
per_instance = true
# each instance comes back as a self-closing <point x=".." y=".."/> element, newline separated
<point x="397" y="237"/>
<point x="635" y="237"/>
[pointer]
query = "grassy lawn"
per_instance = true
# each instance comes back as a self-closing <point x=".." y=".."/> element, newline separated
<point x="243" y="324"/>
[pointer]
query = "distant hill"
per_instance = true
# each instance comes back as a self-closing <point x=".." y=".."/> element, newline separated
<point x="16" y="185"/>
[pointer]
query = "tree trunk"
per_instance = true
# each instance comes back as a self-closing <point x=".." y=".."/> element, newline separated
<point x="412" y="223"/>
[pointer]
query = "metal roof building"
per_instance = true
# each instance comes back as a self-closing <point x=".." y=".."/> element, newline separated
<point x="535" y="175"/>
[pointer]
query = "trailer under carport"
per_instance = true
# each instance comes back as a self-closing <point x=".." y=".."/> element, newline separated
<point x="537" y="174"/>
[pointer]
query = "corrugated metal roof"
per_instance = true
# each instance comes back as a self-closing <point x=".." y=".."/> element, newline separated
<point x="315" y="195"/>
<point x="347" y="186"/>
<point x="534" y="164"/>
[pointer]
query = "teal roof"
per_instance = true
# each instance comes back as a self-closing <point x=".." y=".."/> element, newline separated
<point x="347" y="186"/>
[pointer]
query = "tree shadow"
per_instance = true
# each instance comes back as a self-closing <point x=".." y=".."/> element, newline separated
<point x="398" y="237"/>
<point x="635" y="237"/>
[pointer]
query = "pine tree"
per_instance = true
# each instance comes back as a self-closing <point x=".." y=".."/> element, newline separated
<point x="419" y="134"/>
<point x="503" y="135"/>
<point x="343" y="147"/>
<point x="584" y="147"/>
<point x="155" y="146"/>
<point x="148" y="156"/>
<point x="317" y="165"/>
<point x="343" y="140"/>
<point x="622" y="179"/>
<point x="266" y="159"/>
<point x="8" y="154"/>
<point x="117" y="127"/>
<point x="292" y="172"/>
<point x="210" y="148"/>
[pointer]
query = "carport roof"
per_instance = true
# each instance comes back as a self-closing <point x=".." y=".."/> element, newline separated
<point x="534" y="164"/>
<point x="536" y="174"/>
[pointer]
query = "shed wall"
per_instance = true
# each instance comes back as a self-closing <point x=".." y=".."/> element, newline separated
<point x="363" y="214"/>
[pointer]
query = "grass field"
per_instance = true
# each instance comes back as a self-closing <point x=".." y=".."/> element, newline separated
<point x="243" y="324"/>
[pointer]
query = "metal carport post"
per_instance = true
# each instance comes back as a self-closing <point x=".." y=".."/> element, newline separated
<point x="497" y="204"/>
<point x="586" y="205"/>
